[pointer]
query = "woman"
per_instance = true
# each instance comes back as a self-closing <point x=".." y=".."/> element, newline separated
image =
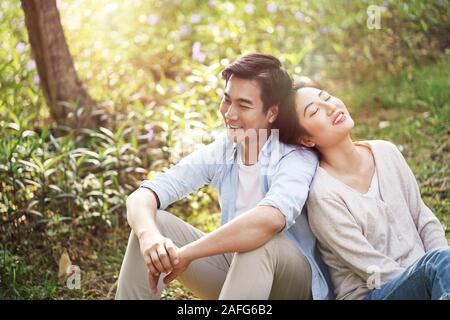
<point x="378" y="238"/>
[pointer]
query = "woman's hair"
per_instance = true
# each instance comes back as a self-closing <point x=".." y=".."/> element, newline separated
<point x="290" y="130"/>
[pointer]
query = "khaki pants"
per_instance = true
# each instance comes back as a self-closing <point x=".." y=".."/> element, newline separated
<point x="276" y="270"/>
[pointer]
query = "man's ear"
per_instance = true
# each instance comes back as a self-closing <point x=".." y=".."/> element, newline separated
<point x="273" y="113"/>
<point x="306" y="142"/>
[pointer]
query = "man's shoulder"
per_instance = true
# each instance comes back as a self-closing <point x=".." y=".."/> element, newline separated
<point x="299" y="153"/>
<point x="296" y="161"/>
<point x="282" y="150"/>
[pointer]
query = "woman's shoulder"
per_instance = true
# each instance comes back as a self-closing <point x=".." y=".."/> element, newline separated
<point x="323" y="186"/>
<point x="380" y="144"/>
<point x="383" y="149"/>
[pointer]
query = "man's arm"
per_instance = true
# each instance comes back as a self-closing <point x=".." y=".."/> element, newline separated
<point x="276" y="211"/>
<point x="158" y="251"/>
<point x="244" y="233"/>
<point x="190" y="174"/>
<point x="248" y="231"/>
<point x="142" y="205"/>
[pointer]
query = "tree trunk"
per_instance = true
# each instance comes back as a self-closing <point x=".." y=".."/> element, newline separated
<point x="69" y="103"/>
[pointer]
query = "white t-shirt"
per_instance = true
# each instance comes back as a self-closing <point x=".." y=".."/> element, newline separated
<point x="374" y="189"/>
<point x="249" y="188"/>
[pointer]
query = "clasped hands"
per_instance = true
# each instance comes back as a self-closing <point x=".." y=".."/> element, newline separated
<point x="161" y="255"/>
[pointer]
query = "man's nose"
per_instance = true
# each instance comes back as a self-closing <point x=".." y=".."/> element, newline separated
<point x="231" y="112"/>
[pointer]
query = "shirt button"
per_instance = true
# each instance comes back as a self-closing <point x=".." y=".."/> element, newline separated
<point x="400" y="238"/>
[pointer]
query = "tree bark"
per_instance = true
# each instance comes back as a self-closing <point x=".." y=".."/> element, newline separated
<point x="69" y="102"/>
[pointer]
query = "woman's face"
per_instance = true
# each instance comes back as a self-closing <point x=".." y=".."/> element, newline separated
<point x="324" y="117"/>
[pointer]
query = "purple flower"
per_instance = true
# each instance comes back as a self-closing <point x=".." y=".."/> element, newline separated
<point x="197" y="55"/>
<point x="271" y="7"/>
<point x="150" y="135"/>
<point x="324" y="30"/>
<point x="184" y="30"/>
<point x="152" y="19"/>
<point x="36" y="80"/>
<point x="180" y="88"/>
<point x="299" y="16"/>
<point x="31" y="65"/>
<point x="20" y="47"/>
<point x="249" y="8"/>
<point x="195" y="18"/>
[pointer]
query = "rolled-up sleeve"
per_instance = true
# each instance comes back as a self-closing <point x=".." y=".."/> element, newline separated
<point x="191" y="173"/>
<point x="289" y="185"/>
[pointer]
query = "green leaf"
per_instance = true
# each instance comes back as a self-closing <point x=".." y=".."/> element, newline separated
<point x="48" y="172"/>
<point x="13" y="126"/>
<point x="28" y="133"/>
<point x="34" y="183"/>
<point x="30" y="164"/>
<point x="38" y="163"/>
<point x="66" y="195"/>
<point x="108" y="133"/>
<point x="50" y="162"/>
<point x="95" y="194"/>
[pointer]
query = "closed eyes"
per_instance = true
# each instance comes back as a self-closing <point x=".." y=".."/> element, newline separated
<point x="317" y="110"/>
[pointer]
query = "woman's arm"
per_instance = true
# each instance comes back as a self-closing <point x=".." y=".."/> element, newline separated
<point x="429" y="227"/>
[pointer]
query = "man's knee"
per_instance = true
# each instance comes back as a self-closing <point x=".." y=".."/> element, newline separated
<point x="259" y="253"/>
<point x="163" y="220"/>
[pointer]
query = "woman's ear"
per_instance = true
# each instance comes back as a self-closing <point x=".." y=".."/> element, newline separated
<point x="306" y="142"/>
<point x="273" y="113"/>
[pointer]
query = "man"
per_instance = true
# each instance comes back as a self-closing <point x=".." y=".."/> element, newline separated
<point x="264" y="248"/>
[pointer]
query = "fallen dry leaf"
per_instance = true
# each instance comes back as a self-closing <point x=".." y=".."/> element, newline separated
<point x="64" y="264"/>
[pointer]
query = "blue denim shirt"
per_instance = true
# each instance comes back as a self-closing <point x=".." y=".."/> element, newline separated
<point x="286" y="173"/>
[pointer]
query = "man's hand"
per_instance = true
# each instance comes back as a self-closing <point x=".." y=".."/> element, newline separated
<point x="160" y="255"/>
<point x="183" y="263"/>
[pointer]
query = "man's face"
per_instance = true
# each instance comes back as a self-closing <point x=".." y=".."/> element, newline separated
<point x="242" y="109"/>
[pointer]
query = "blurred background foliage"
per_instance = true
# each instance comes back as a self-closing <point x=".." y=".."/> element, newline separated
<point x="155" y="66"/>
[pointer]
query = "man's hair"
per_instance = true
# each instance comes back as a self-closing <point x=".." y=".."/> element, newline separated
<point x="276" y="87"/>
<point x="274" y="81"/>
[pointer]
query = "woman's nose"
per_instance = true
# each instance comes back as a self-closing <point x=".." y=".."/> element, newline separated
<point x="330" y="108"/>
